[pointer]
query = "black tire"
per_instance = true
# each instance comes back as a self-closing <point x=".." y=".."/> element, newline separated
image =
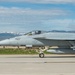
<point x="41" y="55"/>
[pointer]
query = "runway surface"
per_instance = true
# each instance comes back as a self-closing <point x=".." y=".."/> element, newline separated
<point x="33" y="65"/>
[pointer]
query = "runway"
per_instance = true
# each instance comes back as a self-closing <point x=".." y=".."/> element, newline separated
<point x="33" y="65"/>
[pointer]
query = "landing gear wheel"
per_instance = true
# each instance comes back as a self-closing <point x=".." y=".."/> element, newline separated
<point x="41" y="55"/>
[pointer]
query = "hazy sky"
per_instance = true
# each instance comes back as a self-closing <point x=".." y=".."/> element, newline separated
<point x="28" y="15"/>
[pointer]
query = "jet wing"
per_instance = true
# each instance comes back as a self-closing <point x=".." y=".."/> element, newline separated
<point x="46" y="38"/>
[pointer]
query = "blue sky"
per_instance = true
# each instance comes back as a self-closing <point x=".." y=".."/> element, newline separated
<point x="28" y="15"/>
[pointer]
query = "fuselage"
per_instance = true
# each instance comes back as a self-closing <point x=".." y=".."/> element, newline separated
<point x="45" y="39"/>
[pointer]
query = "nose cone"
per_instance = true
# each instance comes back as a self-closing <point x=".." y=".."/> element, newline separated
<point x="4" y="42"/>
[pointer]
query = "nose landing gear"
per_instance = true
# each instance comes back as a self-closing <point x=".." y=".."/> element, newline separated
<point x="41" y="55"/>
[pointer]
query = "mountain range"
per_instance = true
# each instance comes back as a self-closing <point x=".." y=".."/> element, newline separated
<point x="6" y="35"/>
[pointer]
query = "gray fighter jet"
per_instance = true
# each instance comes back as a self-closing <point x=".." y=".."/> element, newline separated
<point x="65" y="41"/>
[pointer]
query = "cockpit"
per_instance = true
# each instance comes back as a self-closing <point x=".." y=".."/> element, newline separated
<point x="35" y="32"/>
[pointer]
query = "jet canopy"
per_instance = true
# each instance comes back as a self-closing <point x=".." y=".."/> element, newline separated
<point x="35" y="32"/>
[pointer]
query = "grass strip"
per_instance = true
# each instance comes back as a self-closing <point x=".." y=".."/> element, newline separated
<point x="17" y="51"/>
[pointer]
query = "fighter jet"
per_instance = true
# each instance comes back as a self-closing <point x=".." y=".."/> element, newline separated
<point x="65" y="41"/>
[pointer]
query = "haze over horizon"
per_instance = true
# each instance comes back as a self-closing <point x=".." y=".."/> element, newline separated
<point x="28" y="15"/>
